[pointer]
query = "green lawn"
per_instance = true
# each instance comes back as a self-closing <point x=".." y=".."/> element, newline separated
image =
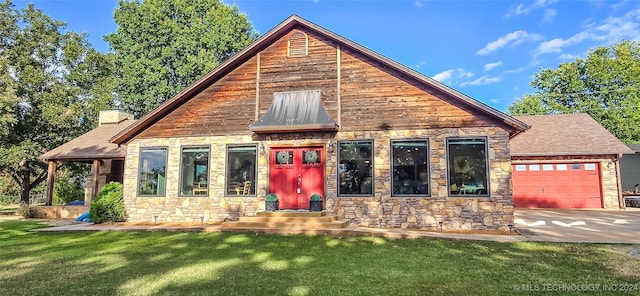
<point x="177" y="263"/>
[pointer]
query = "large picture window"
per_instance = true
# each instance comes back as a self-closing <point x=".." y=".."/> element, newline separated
<point x="152" y="176"/>
<point x="410" y="173"/>
<point x="467" y="164"/>
<point x="194" y="171"/>
<point x="241" y="170"/>
<point x="355" y="169"/>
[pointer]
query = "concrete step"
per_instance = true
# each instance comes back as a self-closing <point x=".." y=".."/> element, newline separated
<point x="287" y="225"/>
<point x="291" y="214"/>
<point x="325" y="231"/>
<point x="321" y="219"/>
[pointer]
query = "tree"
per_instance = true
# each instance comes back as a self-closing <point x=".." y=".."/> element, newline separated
<point x="53" y="84"/>
<point x="606" y="85"/>
<point x="162" y="46"/>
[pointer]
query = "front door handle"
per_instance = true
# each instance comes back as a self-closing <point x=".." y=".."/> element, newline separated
<point x="299" y="183"/>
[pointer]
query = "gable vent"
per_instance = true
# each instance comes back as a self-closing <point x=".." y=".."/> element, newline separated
<point x="297" y="45"/>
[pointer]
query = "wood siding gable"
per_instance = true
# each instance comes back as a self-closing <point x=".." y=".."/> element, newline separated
<point x="361" y="90"/>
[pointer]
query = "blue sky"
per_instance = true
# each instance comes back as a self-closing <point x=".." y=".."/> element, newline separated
<point x="488" y="50"/>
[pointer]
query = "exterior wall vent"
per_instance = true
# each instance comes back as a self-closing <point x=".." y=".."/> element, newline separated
<point x="297" y="45"/>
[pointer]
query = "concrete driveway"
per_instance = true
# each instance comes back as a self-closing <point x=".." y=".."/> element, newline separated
<point x="589" y="226"/>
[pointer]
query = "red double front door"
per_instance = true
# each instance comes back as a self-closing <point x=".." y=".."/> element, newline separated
<point x="296" y="174"/>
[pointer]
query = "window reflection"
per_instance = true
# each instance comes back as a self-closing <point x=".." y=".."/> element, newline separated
<point x="241" y="170"/>
<point x="355" y="169"/>
<point x="410" y="167"/>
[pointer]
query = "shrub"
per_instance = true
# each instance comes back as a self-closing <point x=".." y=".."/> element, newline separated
<point x="27" y="210"/>
<point x="271" y="197"/>
<point x="108" y="205"/>
<point x="6" y="200"/>
<point x="67" y="189"/>
<point x="316" y="197"/>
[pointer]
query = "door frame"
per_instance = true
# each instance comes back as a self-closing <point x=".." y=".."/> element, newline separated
<point x="320" y="145"/>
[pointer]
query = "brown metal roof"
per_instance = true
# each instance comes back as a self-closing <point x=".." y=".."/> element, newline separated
<point x="564" y="135"/>
<point x="273" y="35"/>
<point x="92" y="145"/>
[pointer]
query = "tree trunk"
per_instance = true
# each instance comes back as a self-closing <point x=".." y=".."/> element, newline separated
<point x="25" y="187"/>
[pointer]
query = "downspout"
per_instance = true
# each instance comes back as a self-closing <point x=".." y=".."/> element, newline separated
<point x="616" y="161"/>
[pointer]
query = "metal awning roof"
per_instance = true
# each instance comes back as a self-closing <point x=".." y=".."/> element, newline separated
<point x="295" y="111"/>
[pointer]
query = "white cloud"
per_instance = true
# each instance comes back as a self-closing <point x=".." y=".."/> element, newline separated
<point x="568" y="57"/>
<point x="495" y="101"/>
<point x="490" y="66"/>
<point x="549" y="16"/>
<point x="419" y="4"/>
<point x="610" y="30"/>
<point x="556" y="45"/>
<point x="451" y="75"/>
<point x="421" y="64"/>
<point x="616" y="28"/>
<point x="524" y="9"/>
<point x="513" y="38"/>
<point x="482" y="81"/>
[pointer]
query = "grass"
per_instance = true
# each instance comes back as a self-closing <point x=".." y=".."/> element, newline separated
<point x="195" y="263"/>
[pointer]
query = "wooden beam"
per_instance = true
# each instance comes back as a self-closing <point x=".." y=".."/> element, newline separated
<point x="96" y="178"/>
<point x="51" y="173"/>
<point x="338" y="98"/>
<point x="257" y="115"/>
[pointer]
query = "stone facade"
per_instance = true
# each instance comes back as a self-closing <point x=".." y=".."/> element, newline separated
<point x="105" y="170"/>
<point x="380" y="210"/>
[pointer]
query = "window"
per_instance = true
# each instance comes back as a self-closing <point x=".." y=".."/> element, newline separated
<point x="241" y="170"/>
<point x="467" y="161"/>
<point x="355" y="168"/>
<point x="194" y="171"/>
<point x="153" y="165"/>
<point x="410" y="173"/>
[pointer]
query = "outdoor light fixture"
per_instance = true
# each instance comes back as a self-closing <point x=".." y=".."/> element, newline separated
<point x="263" y="150"/>
<point x="330" y="146"/>
<point x="155" y="220"/>
<point x="202" y="220"/>
<point x="510" y="228"/>
<point x="440" y="224"/>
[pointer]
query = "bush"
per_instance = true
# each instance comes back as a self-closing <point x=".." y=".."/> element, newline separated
<point x="271" y="197"/>
<point x="108" y="205"/>
<point x="316" y="197"/>
<point x="28" y="211"/>
<point x="6" y="200"/>
<point x="67" y="188"/>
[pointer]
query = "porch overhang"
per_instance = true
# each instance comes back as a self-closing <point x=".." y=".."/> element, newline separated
<point x="295" y="111"/>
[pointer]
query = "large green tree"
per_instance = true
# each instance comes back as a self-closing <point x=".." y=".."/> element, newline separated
<point x="161" y="46"/>
<point x="606" y="85"/>
<point x="52" y="84"/>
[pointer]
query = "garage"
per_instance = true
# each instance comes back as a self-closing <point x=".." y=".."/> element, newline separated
<point x="566" y="161"/>
<point x="557" y="185"/>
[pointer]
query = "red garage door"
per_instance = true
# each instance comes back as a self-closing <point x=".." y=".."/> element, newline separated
<point x="560" y="185"/>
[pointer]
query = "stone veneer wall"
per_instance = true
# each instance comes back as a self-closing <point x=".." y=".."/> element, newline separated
<point x="105" y="170"/>
<point x="381" y="210"/>
<point x="608" y="176"/>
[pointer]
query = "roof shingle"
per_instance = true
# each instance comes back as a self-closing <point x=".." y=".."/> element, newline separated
<point x="92" y="145"/>
<point x="563" y="135"/>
